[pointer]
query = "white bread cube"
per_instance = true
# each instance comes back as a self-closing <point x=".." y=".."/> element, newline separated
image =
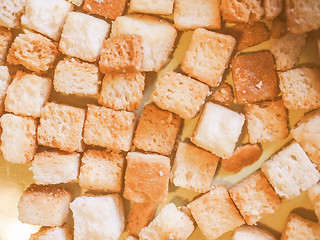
<point x="163" y="7"/>
<point x="158" y="38"/>
<point x="218" y="130"/>
<point x="98" y="217"/>
<point x="18" y="138"/>
<point x="52" y="233"/>
<point x="4" y="83"/>
<point x="272" y="8"/>
<point x="82" y="36"/>
<point x="314" y="196"/>
<point x="5" y="40"/>
<point x="46" y="16"/>
<point x="10" y="12"/>
<point x="252" y="233"/>
<point x="290" y="171"/>
<point x="54" y="167"/>
<point x="76" y="2"/>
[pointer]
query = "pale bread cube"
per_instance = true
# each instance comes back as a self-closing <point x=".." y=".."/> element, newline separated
<point x="10" y="12"/>
<point x="314" y="196"/>
<point x="272" y="8"/>
<point x="252" y="233"/>
<point x="106" y="8"/>
<point x="163" y="7"/>
<point x="52" y="233"/>
<point x="4" y="83"/>
<point x="5" y="39"/>
<point x="76" y="2"/>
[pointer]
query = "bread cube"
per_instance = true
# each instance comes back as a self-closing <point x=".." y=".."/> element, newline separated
<point x="252" y="233"/>
<point x="218" y="130"/>
<point x="272" y="8"/>
<point x="193" y="168"/>
<point x="5" y="39"/>
<point x="163" y="7"/>
<point x="27" y="94"/>
<point x="10" y="12"/>
<point x="82" y="36"/>
<point x="73" y="76"/>
<point x="266" y="121"/>
<point x="4" y="83"/>
<point x="122" y="91"/>
<point x="61" y="127"/>
<point x="170" y="223"/>
<point x="146" y="178"/>
<point x="158" y="38"/>
<point x="106" y="8"/>
<point x="290" y="171"/>
<point x="314" y="196"/>
<point x="157" y="130"/>
<point x="300" y="88"/>
<point x="189" y="14"/>
<point x="44" y="205"/>
<point x="215" y="213"/>
<point x="18" y="138"/>
<point x="105" y="127"/>
<point x="46" y="16"/>
<point x="98" y="217"/>
<point x="49" y="233"/>
<point x="34" y="51"/>
<point x="54" y="167"/>
<point x="180" y="94"/>
<point x="101" y="170"/>
<point x="76" y="2"/>
<point x="223" y="94"/>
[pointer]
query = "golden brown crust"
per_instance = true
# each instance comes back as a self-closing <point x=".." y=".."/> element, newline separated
<point x="39" y="190"/>
<point x="107" y="8"/>
<point x="223" y="94"/>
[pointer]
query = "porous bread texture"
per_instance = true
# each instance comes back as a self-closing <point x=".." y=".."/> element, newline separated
<point x="158" y="38"/>
<point x="55" y="167"/>
<point x="207" y="56"/>
<point x="98" y="217"/>
<point x="170" y="223"/>
<point x="215" y="213"/>
<point x="27" y="94"/>
<point x="290" y="171"/>
<point x="190" y="14"/>
<point x="52" y="233"/>
<point x="163" y="7"/>
<point x="4" y="83"/>
<point x="10" y="12"/>
<point x="44" y="205"/>
<point x="314" y="196"/>
<point x="252" y="233"/>
<point x="272" y="8"/>
<point x="218" y="130"/>
<point x="76" y="2"/>
<point x="193" y="168"/>
<point x="5" y="39"/>
<point x="107" y="8"/>
<point x="223" y="94"/>
<point x="18" y="138"/>
<point x="82" y="36"/>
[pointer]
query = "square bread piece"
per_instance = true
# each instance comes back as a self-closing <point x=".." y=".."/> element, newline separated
<point x="190" y="14"/>
<point x="122" y="91"/>
<point x="180" y="94"/>
<point x="50" y="233"/>
<point x="73" y="76"/>
<point x="146" y="178"/>
<point x="254" y="77"/>
<point x="163" y="7"/>
<point x="272" y="8"/>
<point x="290" y="171"/>
<point x="10" y="12"/>
<point x="300" y="88"/>
<point x="105" y="127"/>
<point x="255" y="197"/>
<point x="82" y="36"/>
<point x="18" y="138"/>
<point x="98" y="217"/>
<point x="266" y="121"/>
<point x="193" y="168"/>
<point x="170" y="223"/>
<point x="157" y="130"/>
<point x="218" y="130"/>
<point x="314" y="196"/>
<point x="101" y="170"/>
<point x="46" y="16"/>
<point x="5" y="39"/>
<point x="44" y="205"/>
<point x="158" y="38"/>
<point x="33" y="51"/>
<point x="4" y="83"/>
<point x="61" y="127"/>
<point x="252" y="233"/>
<point x="215" y="213"/>
<point x="27" y="94"/>
<point x="207" y="56"/>
<point x="106" y="8"/>
<point x="54" y="167"/>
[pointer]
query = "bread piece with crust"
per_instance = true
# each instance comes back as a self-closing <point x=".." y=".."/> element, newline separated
<point x="314" y="196"/>
<point x="223" y="94"/>
<point x="5" y="39"/>
<point x="106" y="8"/>
<point x="4" y="83"/>
<point x="272" y="8"/>
<point x="10" y="12"/>
<point x="163" y="7"/>
<point x="49" y="233"/>
<point x="252" y="233"/>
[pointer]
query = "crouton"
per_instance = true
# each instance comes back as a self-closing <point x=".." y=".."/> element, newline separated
<point x="10" y="12"/>
<point x="252" y="233"/>
<point x="163" y="7"/>
<point x="49" y="233"/>
<point x="314" y="196"/>
<point x="278" y="28"/>
<point x="5" y="39"/>
<point x="76" y="2"/>
<point x="4" y="83"/>
<point x="106" y="8"/>
<point x="272" y="8"/>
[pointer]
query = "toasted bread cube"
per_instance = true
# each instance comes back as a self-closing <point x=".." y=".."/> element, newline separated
<point x="272" y="8"/>
<point x="4" y="83"/>
<point x="252" y="233"/>
<point x="266" y="121"/>
<point x="170" y="223"/>
<point x="109" y="128"/>
<point x="290" y="171"/>
<point x="218" y="130"/>
<point x="146" y="178"/>
<point x="197" y="61"/>
<point x="215" y="213"/>
<point x="101" y="170"/>
<point x="193" y="168"/>
<point x="5" y="39"/>
<point x="82" y="36"/>
<point x="98" y="217"/>
<point x="158" y="38"/>
<point x="18" y="138"/>
<point x="54" y="167"/>
<point x="255" y="197"/>
<point x="300" y="88"/>
<point x="223" y="94"/>
<point x="278" y="28"/>
<point x="10" y="12"/>
<point x="157" y="130"/>
<point x="189" y="14"/>
<point x="49" y="233"/>
<point x="314" y="196"/>
<point x="34" y="51"/>
<point x="163" y="7"/>
<point x="107" y="8"/>
<point x="73" y="76"/>
<point x="44" y="205"/>
<point x="76" y="2"/>
<point x="61" y="127"/>
<point x="122" y="91"/>
<point x="27" y="94"/>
